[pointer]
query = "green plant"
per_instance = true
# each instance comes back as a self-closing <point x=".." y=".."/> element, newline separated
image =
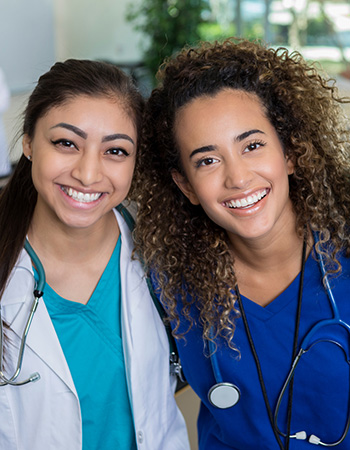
<point x="213" y="31"/>
<point x="169" y="25"/>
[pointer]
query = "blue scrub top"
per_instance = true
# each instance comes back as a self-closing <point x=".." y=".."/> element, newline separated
<point x="321" y="385"/>
<point x="90" y="336"/>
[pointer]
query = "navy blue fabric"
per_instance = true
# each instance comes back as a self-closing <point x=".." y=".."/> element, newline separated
<point x="321" y="386"/>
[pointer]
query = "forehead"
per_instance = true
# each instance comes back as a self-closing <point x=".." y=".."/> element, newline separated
<point x="224" y="92"/>
<point x="88" y="111"/>
<point x="82" y="101"/>
<point x="228" y="108"/>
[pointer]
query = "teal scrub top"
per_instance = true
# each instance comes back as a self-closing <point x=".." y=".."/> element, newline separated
<point x="90" y="336"/>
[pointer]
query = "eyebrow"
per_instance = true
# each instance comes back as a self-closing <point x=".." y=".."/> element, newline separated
<point x="75" y="130"/>
<point x="246" y="134"/>
<point x="115" y="136"/>
<point x="84" y="135"/>
<point x="239" y="138"/>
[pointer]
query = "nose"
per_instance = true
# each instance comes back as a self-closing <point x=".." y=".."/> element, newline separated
<point x="88" y="168"/>
<point x="237" y="173"/>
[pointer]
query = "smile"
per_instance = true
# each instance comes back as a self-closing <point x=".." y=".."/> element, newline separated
<point x="248" y="201"/>
<point x="80" y="196"/>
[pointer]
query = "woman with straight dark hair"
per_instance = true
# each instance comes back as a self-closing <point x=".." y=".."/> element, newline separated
<point x="84" y="354"/>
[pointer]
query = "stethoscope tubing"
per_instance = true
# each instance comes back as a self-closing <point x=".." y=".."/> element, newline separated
<point x="222" y="394"/>
<point x="335" y="320"/>
<point x="38" y="293"/>
<point x="304" y="348"/>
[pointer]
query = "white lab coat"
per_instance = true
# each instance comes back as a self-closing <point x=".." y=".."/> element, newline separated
<point x="45" y="414"/>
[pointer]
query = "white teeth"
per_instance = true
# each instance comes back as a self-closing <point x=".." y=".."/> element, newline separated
<point x="248" y="201"/>
<point x="80" y="196"/>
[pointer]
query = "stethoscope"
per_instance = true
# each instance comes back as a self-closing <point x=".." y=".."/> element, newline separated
<point x="38" y="293"/>
<point x="224" y="395"/>
<point x="174" y="361"/>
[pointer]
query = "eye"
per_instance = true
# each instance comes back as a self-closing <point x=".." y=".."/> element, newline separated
<point x="117" y="152"/>
<point x="206" y="162"/>
<point x="253" y="146"/>
<point x="64" y="143"/>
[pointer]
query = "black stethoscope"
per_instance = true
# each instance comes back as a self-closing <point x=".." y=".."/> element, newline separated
<point x="224" y="395"/>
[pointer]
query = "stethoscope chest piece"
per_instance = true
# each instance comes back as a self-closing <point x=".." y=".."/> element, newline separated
<point x="224" y="395"/>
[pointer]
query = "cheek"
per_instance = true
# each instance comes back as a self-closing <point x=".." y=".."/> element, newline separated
<point x="206" y="195"/>
<point x="39" y="172"/>
<point x="122" y="176"/>
<point x="277" y="170"/>
<point x="42" y="181"/>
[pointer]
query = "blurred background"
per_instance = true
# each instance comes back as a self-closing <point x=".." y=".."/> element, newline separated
<point x="137" y="35"/>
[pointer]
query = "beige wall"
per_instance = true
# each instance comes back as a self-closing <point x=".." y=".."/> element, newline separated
<point x="68" y="29"/>
<point x="35" y="34"/>
<point x="188" y="403"/>
<point x="95" y="29"/>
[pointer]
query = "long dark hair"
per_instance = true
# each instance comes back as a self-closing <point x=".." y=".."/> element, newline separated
<point x="63" y="82"/>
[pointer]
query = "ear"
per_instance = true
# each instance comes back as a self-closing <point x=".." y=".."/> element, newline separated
<point x="290" y="166"/>
<point x="27" y="146"/>
<point x="185" y="186"/>
<point x="290" y="161"/>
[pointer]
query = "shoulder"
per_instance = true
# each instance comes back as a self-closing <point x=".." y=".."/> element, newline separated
<point x="19" y="288"/>
<point x="22" y="267"/>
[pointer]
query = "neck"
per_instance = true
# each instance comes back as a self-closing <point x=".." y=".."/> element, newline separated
<point x="266" y="266"/>
<point x="73" y="259"/>
<point x="52" y="239"/>
<point x="267" y="253"/>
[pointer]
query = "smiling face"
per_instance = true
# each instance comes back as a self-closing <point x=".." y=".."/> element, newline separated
<point x="83" y="156"/>
<point x="234" y="164"/>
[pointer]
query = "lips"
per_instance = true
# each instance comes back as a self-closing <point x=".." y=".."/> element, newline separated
<point x="248" y="201"/>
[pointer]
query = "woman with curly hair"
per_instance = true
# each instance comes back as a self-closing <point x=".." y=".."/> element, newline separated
<point x="243" y="190"/>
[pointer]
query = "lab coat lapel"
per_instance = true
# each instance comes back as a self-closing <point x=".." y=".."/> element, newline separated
<point x="134" y="291"/>
<point x="133" y="287"/>
<point x="142" y="331"/>
<point x="42" y="338"/>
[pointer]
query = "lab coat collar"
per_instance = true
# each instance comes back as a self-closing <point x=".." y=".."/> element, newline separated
<point x="42" y="338"/>
<point x="19" y="287"/>
<point x="21" y="283"/>
<point x="134" y="288"/>
<point x="18" y="297"/>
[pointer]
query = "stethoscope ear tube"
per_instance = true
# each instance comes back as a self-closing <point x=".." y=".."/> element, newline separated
<point x="284" y="388"/>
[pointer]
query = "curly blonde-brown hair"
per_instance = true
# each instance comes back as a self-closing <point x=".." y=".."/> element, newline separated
<point x="187" y="251"/>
